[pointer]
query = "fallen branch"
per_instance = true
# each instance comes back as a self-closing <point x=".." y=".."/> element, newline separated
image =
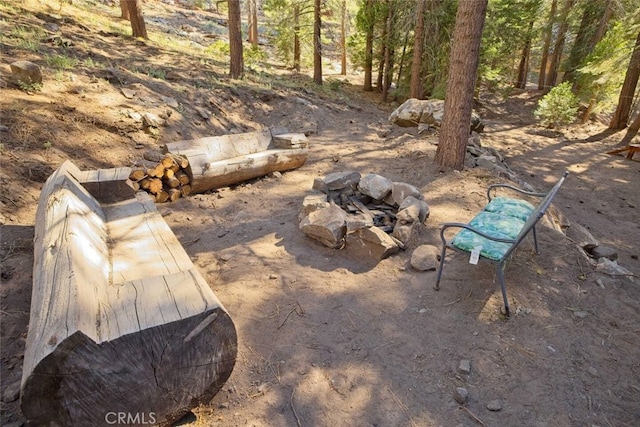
<point x="293" y="408"/>
<point x="473" y="416"/>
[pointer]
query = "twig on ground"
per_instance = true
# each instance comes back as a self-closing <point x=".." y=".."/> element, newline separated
<point x="299" y="313"/>
<point x="402" y="405"/>
<point x="451" y="303"/>
<point x="7" y="198"/>
<point x="473" y="416"/>
<point x="293" y="408"/>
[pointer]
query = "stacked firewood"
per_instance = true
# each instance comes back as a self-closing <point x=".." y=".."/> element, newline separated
<point x="162" y="176"/>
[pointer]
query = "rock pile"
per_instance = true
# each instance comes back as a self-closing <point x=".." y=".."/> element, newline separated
<point x="415" y="112"/>
<point x="370" y="214"/>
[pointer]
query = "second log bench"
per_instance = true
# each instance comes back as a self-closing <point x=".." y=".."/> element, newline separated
<point x="121" y="320"/>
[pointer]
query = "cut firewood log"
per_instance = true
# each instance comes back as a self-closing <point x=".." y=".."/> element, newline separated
<point x="182" y="177"/>
<point x="167" y="161"/>
<point x="155" y="185"/>
<point x="162" y="196"/>
<point x="185" y="190"/>
<point x="172" y="182"/>
<point x="137" y="174"/>
<point x="174" y="194"/>
<point x="145" y="183"/>
<point x="151" y="172"/>
<point x="159" y="170"/>
<point x="181" y="161"/>
<point x="169" y="173"/>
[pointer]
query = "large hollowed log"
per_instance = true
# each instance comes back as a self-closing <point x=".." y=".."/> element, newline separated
<point x="229" y="159"/>
<point x="121" y="320"/>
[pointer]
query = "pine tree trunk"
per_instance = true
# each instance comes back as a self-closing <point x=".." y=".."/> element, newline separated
<point x="585" y="39"/>
<point x="296" y="37"/>
<point x="523" y="68"/>
<point x="387" y="56"/>
<point x="252" y="15"/>
<point x="368" y="50"/>
<point x="317" y="44"/>
<point x="463" y="69"/>
<point x="343" y="38"/>
<point x="554" y="64"/>
<point x="547" y="42"/>
<point x="137" y="20"/>
<point x="236" y="62"/>
<point x="415" y="86"/>
<point x="621" y="116"/>
<point x="124" y="10"/>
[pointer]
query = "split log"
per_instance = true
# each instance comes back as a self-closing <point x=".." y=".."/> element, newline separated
<point x="162" y="196"/>
<point x="174" y="194"/>
<point x="137" y="174"/>
<point x="185" y="190"/>
<point x="182" y="177"/>
<point x="121" y="320"/>
<point x="155" y="185"/>
<point x="229" y="159"/>
<point x="172" y="182"/>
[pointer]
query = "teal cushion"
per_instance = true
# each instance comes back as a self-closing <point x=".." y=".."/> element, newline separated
<point x="511" y="207"/>
<point x="492" y="224"/>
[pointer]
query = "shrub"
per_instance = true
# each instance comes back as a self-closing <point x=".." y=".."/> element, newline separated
<point x="558" y="107"/>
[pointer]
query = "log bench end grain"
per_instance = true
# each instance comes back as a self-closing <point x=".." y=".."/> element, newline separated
<point x="121" y="320"/>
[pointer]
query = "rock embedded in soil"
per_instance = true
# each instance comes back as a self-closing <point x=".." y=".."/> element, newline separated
<point x="494" y="405"/>
<point x="465" y="366"/>
<point x="604" y="252"/>
<point x="12" y="392"/>
<point x="460" y="395"/>
<point x="425" y="258"/>
<point x="26" y="72"/>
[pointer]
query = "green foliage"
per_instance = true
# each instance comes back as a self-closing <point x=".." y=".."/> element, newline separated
<point x="61" y="62"/>
<point x="30" y="87"/>
<point x="254" y="56"/>
<point x="558" y="107"/>
<point x="27" y="37"/>
<point x="219" y="49"/>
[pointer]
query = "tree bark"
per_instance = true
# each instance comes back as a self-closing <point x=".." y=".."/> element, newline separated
<point x="124" y="9"/>
<point x="236" y="62"/>
<point x="586" y="37"/>
<point x="368" y="54"/>
<point x="415" y="86"/>
<point x="621" y="115"/>
<point x="463" y="69"/>
<point x="523" y="67"/>
<point x="343" y="38"/>
<point x="296" y="37"/>
<point x="545" y="47"/>
<point x="554" y="65"/>
<point x="317" y="43"/>
<point x="137" y="20"/>
<point x="387" y="55"/>
<point x="252" y="15"/>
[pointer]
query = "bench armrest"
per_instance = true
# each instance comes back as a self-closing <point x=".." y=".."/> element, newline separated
<point x="474" y="230"/>
<point x="511" y="187"/>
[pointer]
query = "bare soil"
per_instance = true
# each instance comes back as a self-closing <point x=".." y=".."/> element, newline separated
<point x="325" y="338"/>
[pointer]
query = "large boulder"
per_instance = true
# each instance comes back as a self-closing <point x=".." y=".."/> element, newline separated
<point x="414" y="112"/>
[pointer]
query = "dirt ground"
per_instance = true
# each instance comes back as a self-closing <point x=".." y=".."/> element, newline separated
<point x="326" y="338"/>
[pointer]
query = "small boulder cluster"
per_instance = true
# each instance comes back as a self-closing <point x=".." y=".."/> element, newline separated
<point x="370" y="214"/>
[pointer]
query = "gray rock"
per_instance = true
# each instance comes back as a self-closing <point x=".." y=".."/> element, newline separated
<point x="408" y="215"/>
<point x="612" y="268"/>
<point x="465" y="366"/>
<point x="604" y="252"/>
<point x="425" y="258"/>
<point x="413" y="112"/>
<point x="204" y="113"/>
<point x="400" y="191"/>
<point x="313" y="203"/>
<point x="403" y="232"/>
<point x="580" y="314"/>
<point x="376" y="186"/>
<point x="371" y="243"/>
<point x="460" y="395"/>
<point x="128" y="93"/>
<point x="171" y="102"/>
<point x="320" y="185"/>
<point x="327" y="225"/>
<point x="358" y="221"/>
<point x="422" y="205"/>
<point x="12" y="392"/>
<point x="592" y="371"/>
<point x="494" y="405"/>
<point x="26" y="72"/>
<point x="151" y="120"/>
<point x="486" y="161"/>
<point x="340" y="180"/>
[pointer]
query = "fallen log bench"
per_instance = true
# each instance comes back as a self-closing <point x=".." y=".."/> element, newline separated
<point x="219" y="161"/>
<point x="496" y="231"/>
<point x="121" y="320"/>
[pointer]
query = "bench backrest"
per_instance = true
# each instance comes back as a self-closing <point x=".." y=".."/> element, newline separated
<point x="537" y="214"/>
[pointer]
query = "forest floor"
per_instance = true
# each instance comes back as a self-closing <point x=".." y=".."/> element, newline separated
<point x="325" y="338"/>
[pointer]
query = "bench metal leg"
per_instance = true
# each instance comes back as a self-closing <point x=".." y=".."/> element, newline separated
<point x="535" y="240"/>
<point x="442" y="254"/>
<point x="503" y="288"/>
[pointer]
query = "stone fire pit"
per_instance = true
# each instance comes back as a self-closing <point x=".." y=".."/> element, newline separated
<point x="370" y="214"/>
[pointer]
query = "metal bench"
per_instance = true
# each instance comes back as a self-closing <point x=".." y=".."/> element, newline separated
<point x="495" y="232"/>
